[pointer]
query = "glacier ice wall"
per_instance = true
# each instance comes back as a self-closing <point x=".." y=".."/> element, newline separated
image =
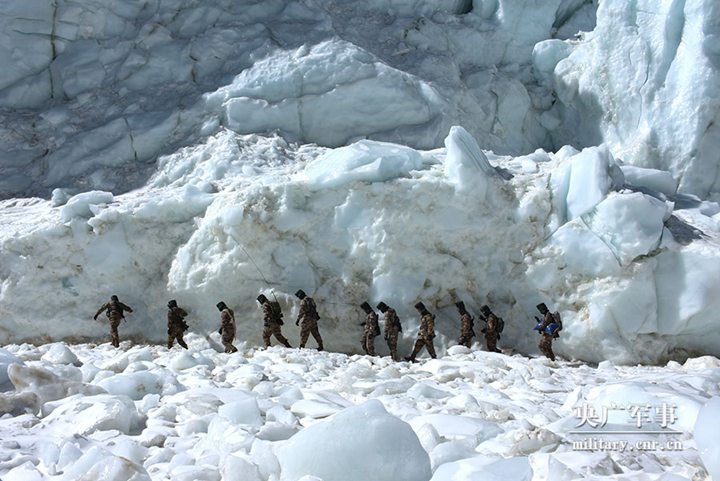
<point x="631" y="271"/>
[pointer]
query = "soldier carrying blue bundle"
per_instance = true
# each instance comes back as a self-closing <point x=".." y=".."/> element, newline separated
<point x="549" y="328"/>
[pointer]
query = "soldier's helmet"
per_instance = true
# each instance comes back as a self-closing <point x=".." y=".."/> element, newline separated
<point x="301" y="294"/>
<point x="172" y="303"/>
<point x="461" y="306"/>
<point x="114" y="298"/>
<point x="486" y="310"/>
<point x="366" y="307"/>
<point x="382" y="307"/>
<point x="262" y="299"/>
<point x="542" y="308"/>
<point x="221" y="306"/>
<point x="420" y="307"/>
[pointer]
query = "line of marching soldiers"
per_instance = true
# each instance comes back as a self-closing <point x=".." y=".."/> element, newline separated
<point x="308" y="317"/>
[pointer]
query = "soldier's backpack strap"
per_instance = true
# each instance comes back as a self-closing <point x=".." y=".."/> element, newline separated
<point x="558" y="321"/>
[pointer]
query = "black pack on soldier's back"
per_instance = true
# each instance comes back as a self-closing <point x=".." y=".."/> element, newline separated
<point x="277" y="311"/>
<point x="114" y="307"/>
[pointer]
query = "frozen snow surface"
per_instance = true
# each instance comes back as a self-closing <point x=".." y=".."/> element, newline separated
<point x="298" y="414"/>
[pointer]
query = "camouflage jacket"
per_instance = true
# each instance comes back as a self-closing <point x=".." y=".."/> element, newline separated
<point x="392" y="323"/>
<point x="492" y="325"/>
<point x="227" y="321"/>
<point x="176" y="315"/>
<point x="427" y="326"/>
<point x="466" y="324"/>
<point x="113" y="309"/>
<point x="371" y="324"/>
<point x="308" y="310"/>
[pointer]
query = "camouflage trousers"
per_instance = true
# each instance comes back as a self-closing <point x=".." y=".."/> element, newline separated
<point x="368" y="342"/>
<point x="307" y="328"/>
<point x="545" y="346"/>
<point x="114" y="336"/>
<point x="419" y="344"/>
<point x="228" y="337"/>
<point x="274" y="329"/>
<point x="491" y="342"/>
<point x="465" y="339"/>
<point x="176" y="333"/>
<point x="392" y="340"/>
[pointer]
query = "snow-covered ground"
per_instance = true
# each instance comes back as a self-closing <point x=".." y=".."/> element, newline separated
<point x="145" y="412"/>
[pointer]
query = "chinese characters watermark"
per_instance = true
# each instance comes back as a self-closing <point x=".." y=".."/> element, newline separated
<point x="640" y="418"/>
<point x="639" y="415"/>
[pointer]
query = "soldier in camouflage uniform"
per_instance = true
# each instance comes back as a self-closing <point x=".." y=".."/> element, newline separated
<point x="491" y="329"/>
<point x="272" y="321"/>
<point x="309" y="317"/>
<point x="176" y="324"/>
<point x="114" y="310"/>
<point x="546" y="339"/>
<point x="425" y="334"/>
<point x="466" y="325"/>
<point x="227" y="327"/>
<point x="393" y="328"/>
<point x="371" y="331"/>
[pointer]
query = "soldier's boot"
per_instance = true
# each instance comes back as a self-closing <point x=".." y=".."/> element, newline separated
<point x="317" y="337"/>
<point x="394" y="354"/>
<point x="286" y="343"/>
<point x="431" y="350"/>
<point x="181" y="341"/>
<point x="415" y="352"/>
<point x="170" y="342"/>
<point x="492" y="345"/>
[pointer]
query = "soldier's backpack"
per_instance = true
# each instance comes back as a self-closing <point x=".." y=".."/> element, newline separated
<point x="113" y="306"/>
<point x="558" y="321"/>
<point x="313" y="310"/>
<point x="276" y="312"/>
<point x="501" y="325"/>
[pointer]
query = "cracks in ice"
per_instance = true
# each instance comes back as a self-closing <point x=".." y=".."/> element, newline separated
<point x="53" y="49"/>
<point x="132" y="139"/>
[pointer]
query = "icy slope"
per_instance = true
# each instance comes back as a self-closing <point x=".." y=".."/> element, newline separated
<point x="241" y="215"/>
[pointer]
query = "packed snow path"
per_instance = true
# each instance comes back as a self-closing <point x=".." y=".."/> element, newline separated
<point x="145" y="412"/>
